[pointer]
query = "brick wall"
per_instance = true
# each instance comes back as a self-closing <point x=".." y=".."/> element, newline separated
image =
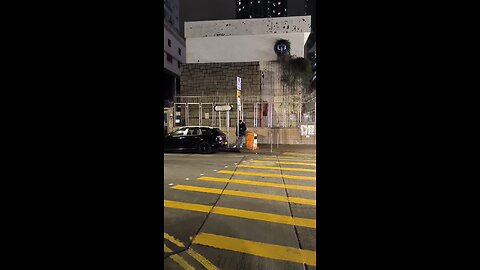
<point x="219" y="79"/>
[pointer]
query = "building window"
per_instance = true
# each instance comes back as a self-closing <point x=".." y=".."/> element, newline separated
<point x="179" y="51"/>
<point x="179" y="64"/>
<point x="169" y="58"/>
<point x="169" y="43"/>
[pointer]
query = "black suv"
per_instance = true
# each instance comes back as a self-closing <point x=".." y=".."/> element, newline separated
<point x="202" y="139"/>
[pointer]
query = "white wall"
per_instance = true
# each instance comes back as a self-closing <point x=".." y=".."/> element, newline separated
<point x="241" y="48"/>
<point x="176" y="42"/>
<point x="244" y="40"/>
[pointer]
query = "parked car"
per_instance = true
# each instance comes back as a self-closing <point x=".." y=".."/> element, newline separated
<point x="195" y="138"/>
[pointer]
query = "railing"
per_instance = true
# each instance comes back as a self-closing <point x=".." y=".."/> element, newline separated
<point x="199" y="110"/>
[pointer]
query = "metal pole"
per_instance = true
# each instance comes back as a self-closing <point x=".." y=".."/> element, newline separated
<point x="271" y="140"/>
<point x="201" y="113"/>
<point x="228" y="125"/>
<point x="278" y="137"/>
<point x="238" y="124"/>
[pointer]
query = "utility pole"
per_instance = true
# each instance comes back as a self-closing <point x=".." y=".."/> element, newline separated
<point x="239" y="90"/>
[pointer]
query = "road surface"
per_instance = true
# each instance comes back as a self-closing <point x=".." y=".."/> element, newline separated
<point x="240" y="211"/>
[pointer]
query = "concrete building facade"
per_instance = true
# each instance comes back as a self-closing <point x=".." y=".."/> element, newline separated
<point x="174" y="54"/>
<point x="244" y="40"/>
<point x="173" y="57"/>
<point x="220" y="51"/>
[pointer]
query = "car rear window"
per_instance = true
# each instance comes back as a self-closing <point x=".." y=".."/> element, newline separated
<point x="206" y="131"/>
<point x="179" y="132"/>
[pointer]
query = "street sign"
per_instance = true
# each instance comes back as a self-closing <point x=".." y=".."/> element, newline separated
<point x="223" y="108"/>
<point x="239" y="83"/>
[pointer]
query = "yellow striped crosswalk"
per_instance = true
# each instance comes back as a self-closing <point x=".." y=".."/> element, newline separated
<point x="289" y="159"/>
<point x="284" y="162"/>
<point x="255" y="183"/>
<point x="179" y="260"/>
<point x="254" y="195"/>
<point x="255" y="245"/>
<point x="275" y="175"/>
<point x="297" y="163"/>
<point x="202" y="260"/>
<point x="271" y="251"/>
<point x="173" y="240"/>
<point x="276" y="168"/>
<point x="233" y="212"/>
<point x="298" y="154"/>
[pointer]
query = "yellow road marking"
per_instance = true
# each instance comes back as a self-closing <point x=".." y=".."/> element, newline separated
<point x="254" y="195"/>
<point x="276" y="168"/>
<point x="173" y="240"/>
<point x="255" y="183"/>
<point x="285" y="176"/>
<point x="187" y="206"/>
<point x="299" y="154"/>
<point x="233" y="212"/>
<point x="297" y="163"/>
<point x="179" y="260"/>
<point x="202" y="260"/>
<point x="290" y="159"/>
<point x="284" y="162"/>
<point x="270" y="251"/>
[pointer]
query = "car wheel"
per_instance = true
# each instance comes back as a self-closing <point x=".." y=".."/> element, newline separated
<point x="204" y="148"/>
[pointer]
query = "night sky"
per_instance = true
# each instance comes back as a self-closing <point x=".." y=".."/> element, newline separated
<point x="203" y="10"/>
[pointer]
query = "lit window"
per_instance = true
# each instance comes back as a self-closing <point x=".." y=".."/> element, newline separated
<point x="273" y="4"/>
<point x="279" y="3"/>
<point x="239" y="9"/>
<point x="278" y="13"/>
<point x="274" y="11"/>
<point x="239" y="2"/>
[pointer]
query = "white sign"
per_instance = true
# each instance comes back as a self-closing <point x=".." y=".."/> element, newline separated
<point x="223" y="108"/>
<point x="239" y="103"/>
<point x="304" y="130"/>
<point x="307" y="130"/>
<point x="207" y="115"/>
<point x="239" y="83"/>
<point x="311" y="130"/>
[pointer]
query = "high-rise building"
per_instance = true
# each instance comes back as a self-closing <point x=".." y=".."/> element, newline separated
<point x="174" y="54"/>
<point x="247" y="9"/>
<point x="171" y="13"/>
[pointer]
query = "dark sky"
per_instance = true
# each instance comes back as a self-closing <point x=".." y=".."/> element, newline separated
<point x="203" y="10"/>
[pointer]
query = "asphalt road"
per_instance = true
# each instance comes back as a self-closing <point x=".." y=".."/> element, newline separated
<point x="240" y="211"/>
